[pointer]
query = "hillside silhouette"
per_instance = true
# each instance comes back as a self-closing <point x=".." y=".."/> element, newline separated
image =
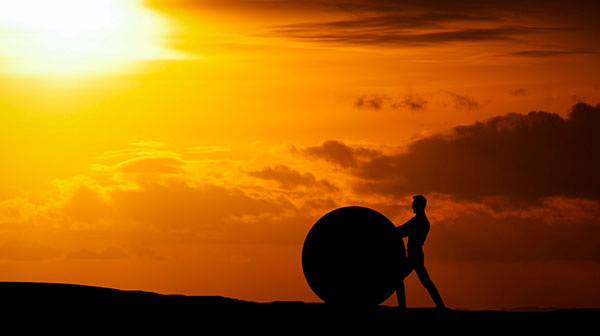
<point x="98" y="307"/>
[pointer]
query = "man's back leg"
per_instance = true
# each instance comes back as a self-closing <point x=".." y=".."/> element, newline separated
<point x="428" y="284"/>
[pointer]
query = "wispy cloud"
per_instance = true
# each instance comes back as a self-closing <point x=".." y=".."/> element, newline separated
<point x="402" y="37"/>
<point x="546" y="53"/>
<point x="408" y="101"/>
<point x="463" y="102"/>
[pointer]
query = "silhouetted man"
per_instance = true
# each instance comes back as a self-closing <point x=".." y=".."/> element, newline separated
<point x="416" y="230"/>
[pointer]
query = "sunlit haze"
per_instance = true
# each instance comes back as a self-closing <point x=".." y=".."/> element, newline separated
<point x="71" y="37"/>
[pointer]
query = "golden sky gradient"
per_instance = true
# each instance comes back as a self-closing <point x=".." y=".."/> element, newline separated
<point x="185" y="146"/>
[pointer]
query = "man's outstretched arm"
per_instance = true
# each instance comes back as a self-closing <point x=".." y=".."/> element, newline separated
<point x="406" y="228"/>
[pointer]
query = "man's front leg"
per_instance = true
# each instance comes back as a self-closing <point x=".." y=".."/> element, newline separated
<point x="401" y="295"/>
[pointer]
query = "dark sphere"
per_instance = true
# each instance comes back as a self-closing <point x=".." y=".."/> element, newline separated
<point x="353" y="256"/>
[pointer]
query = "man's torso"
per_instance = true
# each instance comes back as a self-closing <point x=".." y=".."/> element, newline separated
<point x="416" y="237"/>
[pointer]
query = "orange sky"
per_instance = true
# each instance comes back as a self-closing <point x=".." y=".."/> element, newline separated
<point x="185" y="146"/>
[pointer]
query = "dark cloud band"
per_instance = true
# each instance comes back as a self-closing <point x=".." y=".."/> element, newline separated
<point x="521" y="157"/>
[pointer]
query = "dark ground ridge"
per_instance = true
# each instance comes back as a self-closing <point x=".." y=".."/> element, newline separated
<point x="108" y="306"/>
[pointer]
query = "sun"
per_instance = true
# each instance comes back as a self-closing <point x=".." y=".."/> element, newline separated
<point x="79" y="37"/>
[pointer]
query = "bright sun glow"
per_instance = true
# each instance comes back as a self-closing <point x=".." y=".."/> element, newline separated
<point x="78" y="37"/>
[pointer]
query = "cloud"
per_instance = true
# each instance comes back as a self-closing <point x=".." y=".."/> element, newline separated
<point x="180" y="206"/>
<point x="165" y="165"/>
<point x="174" y="197"/>
<point x="16" y="210"/>
<point x="420" y="23"/>
<point x="429" y="11"/>
<point x="413" y="102"/>
<point x="515" y="184"/>
<point x="384" y="6"/>
<point x="386" y="23"/>
<point x="375" y="102"/>
<point x="522" y="157"/>
<point x="409" y="101"/>
<point x="417" y="102"/>
<point x="289" y="178"/>
<point x="86" y="204"/>
<point x="463" y="102"/>
<point x="410" y="22"/>
<point x="147" y="144"/>
<point x="403" y="38"/>
<point x="340" y="154"/>
<point x="544" y="53"/>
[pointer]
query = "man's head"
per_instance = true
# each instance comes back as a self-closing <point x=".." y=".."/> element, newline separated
<point x="419" y="203"/>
